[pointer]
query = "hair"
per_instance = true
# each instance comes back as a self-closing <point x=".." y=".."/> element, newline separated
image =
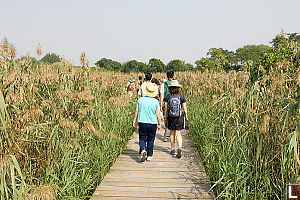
<point x="148" y="76"/>
<point x="174" y="90"/>
<point x="156" y="81"/>
<point x="170" y="74"/>
<point x="140" y="78"/>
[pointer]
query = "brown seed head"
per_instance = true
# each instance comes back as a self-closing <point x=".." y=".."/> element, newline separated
<point x="83" y="61"/>
<point x="39" y="50"/>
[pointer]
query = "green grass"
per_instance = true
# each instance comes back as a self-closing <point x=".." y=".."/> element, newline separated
<point x="241" y="159"/>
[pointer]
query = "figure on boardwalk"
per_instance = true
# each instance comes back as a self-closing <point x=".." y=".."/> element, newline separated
<point x="130" y="87"/>
<point x="148" y="78"/>
<point x="164" y="91"/>
<point x="175" y="113"/>
<point x="147" y="116"/>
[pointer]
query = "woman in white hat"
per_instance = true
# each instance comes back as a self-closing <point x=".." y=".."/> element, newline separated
<point x="175" y="113"/>
<point x="147" y="117"/>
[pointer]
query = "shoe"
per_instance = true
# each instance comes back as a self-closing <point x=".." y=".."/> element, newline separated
<point x="149" y="158"/>
<point x="173" y="151"/>
<point x="166" y="139"/>
<point x="144" y="155"/>
<point x="178" y="153"/>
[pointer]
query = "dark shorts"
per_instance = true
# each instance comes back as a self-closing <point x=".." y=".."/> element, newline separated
<point x="175" y="123"/>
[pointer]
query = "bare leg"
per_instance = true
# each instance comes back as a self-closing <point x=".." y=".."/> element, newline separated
<point x="179" y="141"/>
<point x="172" y="138"/>
<point x="179" y="138"/>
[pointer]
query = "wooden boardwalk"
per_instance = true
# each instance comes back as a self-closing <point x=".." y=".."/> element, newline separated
<point x="164" y="177"/>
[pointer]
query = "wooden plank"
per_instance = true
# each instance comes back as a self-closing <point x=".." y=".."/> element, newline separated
<point x="164" y="177"/>
<point x="145" y="194"/>
<point x="153" y="183"/>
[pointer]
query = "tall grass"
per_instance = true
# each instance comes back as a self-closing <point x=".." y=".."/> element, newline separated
<point x="247" y="135"/>
<point x="61" y="128"/>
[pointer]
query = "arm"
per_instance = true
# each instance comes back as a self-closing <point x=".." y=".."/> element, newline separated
<point x="165" y="112"/>
<point x="134" y="123"/>
<point x="185" y="111"/>
<point x="161" y="101"/>
<point x="158" y="118"/>
<point x="162" y="92"/>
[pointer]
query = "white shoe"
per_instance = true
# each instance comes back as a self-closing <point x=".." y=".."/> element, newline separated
<point x="143" y="156"/>
<point x="149" y="158"/>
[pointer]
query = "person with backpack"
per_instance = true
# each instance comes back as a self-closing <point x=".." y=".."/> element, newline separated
<point x="131" y="85"/>
<point x="164" y="91"/>
<point x="175" y="113"/>
<point x="138" y="87"/>
<point x="147" y="117"/>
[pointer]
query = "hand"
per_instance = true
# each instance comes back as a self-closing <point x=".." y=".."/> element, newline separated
<point x="134" y="123"/>
<point x="158" y="126"/>
<point x="161" y="108"/>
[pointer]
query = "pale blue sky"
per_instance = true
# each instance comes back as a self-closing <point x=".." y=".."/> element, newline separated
<point x="142" y="29"/>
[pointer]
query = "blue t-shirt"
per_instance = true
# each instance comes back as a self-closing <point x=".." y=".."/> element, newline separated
<point x="147" y="110"/>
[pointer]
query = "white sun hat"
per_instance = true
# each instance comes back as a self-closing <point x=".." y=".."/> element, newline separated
<point x="150" y="90"/>
<point x="174" y="83"/>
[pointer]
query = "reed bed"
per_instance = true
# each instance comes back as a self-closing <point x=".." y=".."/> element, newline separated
<point x="61" y="128"/>
<point x="247" y="134"/>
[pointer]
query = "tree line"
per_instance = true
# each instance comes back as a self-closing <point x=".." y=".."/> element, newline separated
<point x="217" y="59"/>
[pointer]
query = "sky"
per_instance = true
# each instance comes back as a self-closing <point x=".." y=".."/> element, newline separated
<point x="123" y="30"/>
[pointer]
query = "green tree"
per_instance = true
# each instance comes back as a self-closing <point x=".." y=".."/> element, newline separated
<point x="251" y="52"/>
<point x="203" y="64"/>
<point x="175" y="65"/>
<point x="285" y="49"/>
<point x="222" y="59"/>
<point x="283" y="40"/>
<point x="156" y="65"/>
<point x="109" y="64"/>
<point x="51" y="58"/>
<point x="134" y="66"/>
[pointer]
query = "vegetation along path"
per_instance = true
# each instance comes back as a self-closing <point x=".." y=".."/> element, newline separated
<point x="164" y="177"/>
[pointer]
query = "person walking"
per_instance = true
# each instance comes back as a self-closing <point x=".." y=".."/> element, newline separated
<point x="148" y="77"/>
<point x="147" y="116"/>
<point x="174" y="114"/>
<point x="131" y="85"/>
<point x="164" y="91"/>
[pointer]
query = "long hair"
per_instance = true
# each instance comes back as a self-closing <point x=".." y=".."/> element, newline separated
<point x="174" y="90"/>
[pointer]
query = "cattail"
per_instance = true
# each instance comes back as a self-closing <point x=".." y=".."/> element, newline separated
<point x="83" y="61"/>
<point x="26" y="61"/>
<point x="282" y="33"/>
<point x="2" y="63"/>
<point x="12" y="51"/>
<point x="39" y="50"/>
<point x="5" y="48"/>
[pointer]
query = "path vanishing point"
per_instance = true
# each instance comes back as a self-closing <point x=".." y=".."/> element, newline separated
<point x="164" y="177"/>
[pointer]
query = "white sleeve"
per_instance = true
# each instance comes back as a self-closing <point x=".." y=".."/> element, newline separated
<point x="162" y="88"/>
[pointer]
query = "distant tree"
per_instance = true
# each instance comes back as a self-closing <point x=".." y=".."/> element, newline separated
<point x="204" y="64"/>
<point x="222" y="59"/>
<point x="282" y="40"/>
<point x="134" y="66"/>
<point x="175" y="65"/>
<point x="156" y="65"/>
<point x="109" y="64"/>
<point x="251" y="52"/>
<point x="51" y="58"/>
<point x="188" y="67"/>
<point x="285" y="48"/>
